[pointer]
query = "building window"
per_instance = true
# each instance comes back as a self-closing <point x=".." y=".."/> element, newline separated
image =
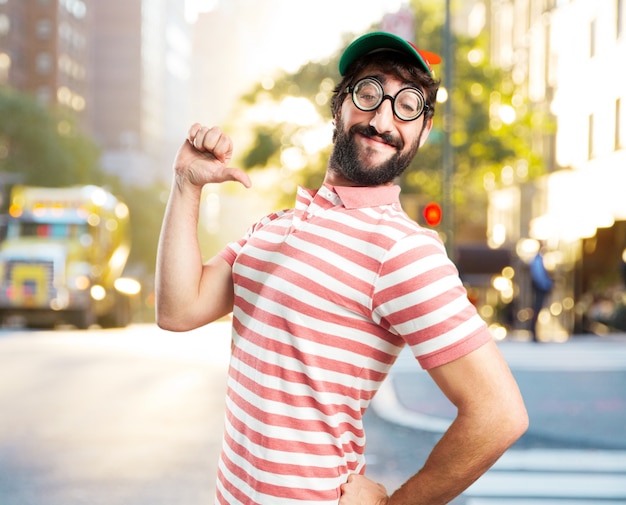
<point x="618" y="124"/>
<point x="43" y="63"/>
<point x="590" y="146"/>
<point x="77" y="8"/>
<point x="44" y="29"/>
<point x="592" y="39"/>
<point x="5" y="66"/>
<point x="5" y="24"/>
<point x="44" y="95"/>
<point x="549" y="5"/>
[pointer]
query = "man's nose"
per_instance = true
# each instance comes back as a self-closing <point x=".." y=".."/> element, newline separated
<point x="383" y="116"/>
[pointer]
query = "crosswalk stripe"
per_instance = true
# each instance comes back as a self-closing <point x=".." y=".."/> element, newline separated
<point x="532" y="476"/>
<point x="549" y="485"/>
<point x="534" y="501"/>
<point x="552" y="477"/>
<point x="564" y="460"/>
<point x="562" y="357"/>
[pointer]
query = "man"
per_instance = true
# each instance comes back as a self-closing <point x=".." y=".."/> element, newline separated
<point x="542" y="284"/>
<point x="324" y="297"/>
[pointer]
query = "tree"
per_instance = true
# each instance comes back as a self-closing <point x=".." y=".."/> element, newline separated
<point x="485" y="141"/>
<point x="491" y="128"/>
<point x="146" y="208"/>
<point x="44" y="146"/>
<point x="287" y="128"/>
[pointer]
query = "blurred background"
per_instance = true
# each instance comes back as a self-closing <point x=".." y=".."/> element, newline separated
<point x="525" y="153"/>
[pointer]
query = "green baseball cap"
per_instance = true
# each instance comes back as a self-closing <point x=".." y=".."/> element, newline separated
<point x="379" y="41"/>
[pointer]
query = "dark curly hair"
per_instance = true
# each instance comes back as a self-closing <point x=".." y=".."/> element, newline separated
<point x="393" y="63"/>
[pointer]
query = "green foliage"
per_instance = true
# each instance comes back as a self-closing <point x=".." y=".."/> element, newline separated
<point x="483" y="144"/>
<point x="44" y="147"/>
<point x="146" y="208"/>
<point x="270" y="138"/>
<point x="265" y="146"/>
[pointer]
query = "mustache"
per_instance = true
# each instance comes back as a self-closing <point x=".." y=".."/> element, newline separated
<point x="371" y="132"/>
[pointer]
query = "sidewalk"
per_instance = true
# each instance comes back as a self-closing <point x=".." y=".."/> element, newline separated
<point x="575" y="392"/>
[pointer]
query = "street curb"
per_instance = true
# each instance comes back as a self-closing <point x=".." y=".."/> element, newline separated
<point x="388" y="407"/>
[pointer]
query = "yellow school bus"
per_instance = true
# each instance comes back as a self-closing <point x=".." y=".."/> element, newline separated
<point x="63" y="258"/>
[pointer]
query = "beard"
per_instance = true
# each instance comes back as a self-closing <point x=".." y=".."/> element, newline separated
<point x="347" y="160"/>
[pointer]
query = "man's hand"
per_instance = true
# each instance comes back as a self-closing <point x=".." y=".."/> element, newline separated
<point x="359" y="490"/>
<point x="192" y="292"/>
<point x="205" y="157"/>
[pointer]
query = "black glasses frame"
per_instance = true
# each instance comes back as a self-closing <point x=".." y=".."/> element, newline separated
<point x="352" y="91"/>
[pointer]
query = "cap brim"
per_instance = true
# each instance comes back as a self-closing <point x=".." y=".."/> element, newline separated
<point x="378" y="41"/>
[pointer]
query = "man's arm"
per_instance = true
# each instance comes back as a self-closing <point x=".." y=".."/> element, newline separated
<point x="188" y="293"/>
<point x="491" y="417"/>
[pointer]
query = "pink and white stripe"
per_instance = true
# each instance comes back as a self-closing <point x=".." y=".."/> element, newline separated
<point x="326" y="296"/>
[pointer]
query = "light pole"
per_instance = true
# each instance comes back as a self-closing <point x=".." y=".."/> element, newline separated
<point x="448" y="162"/>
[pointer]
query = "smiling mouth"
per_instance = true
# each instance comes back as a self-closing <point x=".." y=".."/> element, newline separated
<point x="380" y="140"/>
<point x="371" y="134"/>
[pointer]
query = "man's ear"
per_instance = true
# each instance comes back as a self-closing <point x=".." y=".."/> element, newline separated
<point x="428" y="125"/>
<point x="336" y="119"/>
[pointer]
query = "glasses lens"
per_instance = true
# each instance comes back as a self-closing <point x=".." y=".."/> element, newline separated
<point x="367" y="94"/>
<point x="408" y="104"/>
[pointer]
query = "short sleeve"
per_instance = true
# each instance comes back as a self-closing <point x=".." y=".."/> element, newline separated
<point x="420" y="297"/>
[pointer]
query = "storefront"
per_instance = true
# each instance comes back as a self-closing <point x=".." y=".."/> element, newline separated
<point x="580" y="218"/>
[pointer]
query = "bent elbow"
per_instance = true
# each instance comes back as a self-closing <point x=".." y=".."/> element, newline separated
<point x="181" y="319"/>
<point x="168" y="324"/>
<point x="516" y="420"/>
<point x="170" y="321"/>
<point x="522" y="422"/>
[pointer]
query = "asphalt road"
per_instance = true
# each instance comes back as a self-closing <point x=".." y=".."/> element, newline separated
<point x="128" y="417"/>
<point x="574" y="452"/>
<point x="134" y="417"/>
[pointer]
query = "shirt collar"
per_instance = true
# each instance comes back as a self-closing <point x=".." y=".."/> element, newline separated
<point x="356" y="197"/>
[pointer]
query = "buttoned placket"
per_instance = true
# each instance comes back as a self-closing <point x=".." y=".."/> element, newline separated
<point x="323" y="200"/>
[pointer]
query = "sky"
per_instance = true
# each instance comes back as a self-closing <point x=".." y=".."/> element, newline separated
<point x="337" y="17"/>
<point x="276" y="34"/>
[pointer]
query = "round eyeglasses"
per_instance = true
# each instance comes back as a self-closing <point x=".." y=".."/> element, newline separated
<point x="368" y="94"/>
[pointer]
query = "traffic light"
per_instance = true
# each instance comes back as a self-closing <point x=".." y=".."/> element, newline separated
<point x="432" y="213"/>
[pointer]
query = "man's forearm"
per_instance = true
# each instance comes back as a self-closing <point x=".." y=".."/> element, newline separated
<point x="463" y="454"/>
<point x="179" y="261"/>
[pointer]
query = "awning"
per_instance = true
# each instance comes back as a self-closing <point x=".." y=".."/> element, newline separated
<point x="477" y="263"/>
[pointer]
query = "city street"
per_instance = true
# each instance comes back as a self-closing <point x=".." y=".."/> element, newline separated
<point x="134" y="417"/>
<point x="121" y="417"/>
<point x="574" y="451"/>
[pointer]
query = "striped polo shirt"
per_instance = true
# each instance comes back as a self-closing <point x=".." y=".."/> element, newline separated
<point x="326" y="296"/>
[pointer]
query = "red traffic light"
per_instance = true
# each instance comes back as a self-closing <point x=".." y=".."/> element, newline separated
<point x="432" y="214"/>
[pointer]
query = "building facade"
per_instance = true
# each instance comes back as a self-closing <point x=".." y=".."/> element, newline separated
<point x="45" y="49"/>
<point x="121" y="66"/>
<point x="564" y="56"/>
<point x="140" y="75"/>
